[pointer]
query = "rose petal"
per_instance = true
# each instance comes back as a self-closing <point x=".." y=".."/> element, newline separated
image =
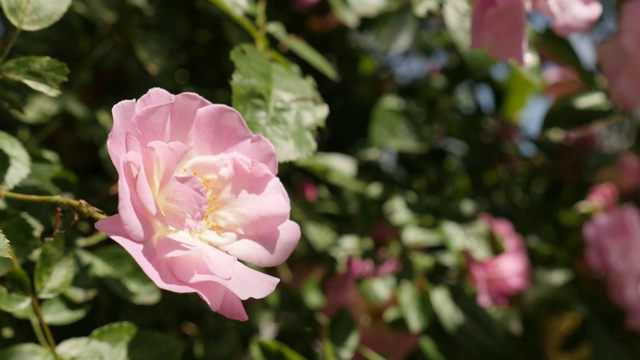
<point x="268" y="249"/>
<point x="153" y="97"/>
<point x="231" y="135"/>
<point x="123" y="113"/>
<point x="183" y="112"/>
<point x="499" y="28"/>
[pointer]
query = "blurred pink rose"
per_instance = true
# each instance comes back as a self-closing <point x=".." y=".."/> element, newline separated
<point x="309" y="190"/>
<point x="197" y="193"/>
<point x="303" y="6"/>
<point x="603" y="196"/>
<point x="569" y="16"/>
<point x="342" y="292"/>
<point x="619" y="58"/>
<point x="505" y="274"/>
<point x="498" y="26"/>
<point x="560" y="81"/>
<point x="628" y="173"/>
<point x="613" y="248"/>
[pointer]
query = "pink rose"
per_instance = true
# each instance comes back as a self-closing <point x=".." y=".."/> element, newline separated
<point x="197" y="193"/>
<point x="569" y="16"/>
<point x="498" y="26"/>
<point x="505" y="274"/>
<point x="309" y="190"/>
<point x="619" y="58"/>
<point x="603" y="196"/>
<point x="613" y="248"/>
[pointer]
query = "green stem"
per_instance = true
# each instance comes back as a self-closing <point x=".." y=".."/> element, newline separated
<point x="261" y="16"/>
<point x="10" y="45"/>
<point x="38" y="331"/>
<point x="261" y="40"/>
<point x="45" y="326"/>
<point x="80" y="206"/>
<point x="40" y="327"/>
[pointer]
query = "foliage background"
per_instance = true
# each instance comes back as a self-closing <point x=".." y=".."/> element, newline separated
<point x="422" y="134"/>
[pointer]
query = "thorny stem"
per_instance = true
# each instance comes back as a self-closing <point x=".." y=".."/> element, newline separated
<point x="80" y="206"/>
<point x="43" y="332"/>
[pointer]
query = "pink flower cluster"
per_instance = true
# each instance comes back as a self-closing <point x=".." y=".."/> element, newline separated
<point x="198" y="194"/>
<point x="619" y="58"/>
<point x="613" y="248"/>
<point x="503" y="275"/>
<point x="375" y="333"/>
<point x="499" y="26"/>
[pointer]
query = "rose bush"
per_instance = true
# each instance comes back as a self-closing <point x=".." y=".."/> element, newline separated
<point x="198" y="194"/>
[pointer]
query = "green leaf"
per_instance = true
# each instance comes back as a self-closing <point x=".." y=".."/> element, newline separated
<point x="518" y="89"/>
<point x="118" y="336"/>
<point x="84" y="348"/>
<point x="60" y="311"/>
<point x="564" y="52"/>
<point x="41" y="73"/>
<point x="54" y="270"/>
<point x="430" y="348"/>
<point x="344" y="334"/>
<point x="320" y="235"/>
<point x="32" y="15"/>
<point x="39" y="109"/>
<point x="26" y="351"/>
<point x="17" y="281"/>
<point x="422" y="7"/>
<point x="335" y="168"/>
<point x="274" y="350"/>
<point x="344" y="13"/>
<point x="5" y="246"/>
<point x="378" y="289"/>
<point x="457" y="18"/>
<point x="23" y="233"/>
<point x="578" y="110"/>
<point x="476" y="332"/>
<point x="15" y="163"/>
<point x="450" y="315"/>
<point x="277" y="102"/>
<point x="237" y="7"/>
<point x="391" y="128"/>
<point x="413" y="309"/>
<point x="126" y="342"/>
<point x="396" y="31"/>
<point x="472" y="237"/>
<point x="302" y="49"/>
<point x="414" y="236"/>
<point x="312" y="294"/>
<point x="122" y="274"/>
<point x="15" y="303"/>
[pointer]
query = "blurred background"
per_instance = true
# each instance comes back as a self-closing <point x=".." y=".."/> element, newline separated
<point x="427" y="144"/>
